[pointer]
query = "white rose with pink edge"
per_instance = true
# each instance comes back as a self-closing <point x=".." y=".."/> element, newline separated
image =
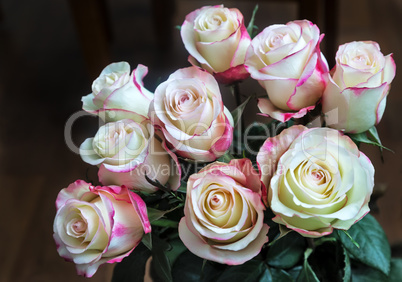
<point x="97" y="225"/>
<point x="117" y="89"/>
<point x="287" y="62"/>
<point x="217" y="41"/>
<point x="355" y="97"/>
<point x="128" y="151"/>
<point x="189" y="110"/>
<point x="224" y="213"/>
<point x="316" y="180"/>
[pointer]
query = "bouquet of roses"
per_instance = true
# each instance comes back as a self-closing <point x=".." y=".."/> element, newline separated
<point x="183" y="186"/>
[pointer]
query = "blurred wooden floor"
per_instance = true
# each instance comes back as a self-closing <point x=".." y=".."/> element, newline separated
<point x="43" y="76"/>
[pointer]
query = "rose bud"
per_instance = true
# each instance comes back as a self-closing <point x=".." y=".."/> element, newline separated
<point x="97" y="225"/>
<point x="358" y="88"/>
<point x="116" y="89"/>
<point x="217" y="40"/>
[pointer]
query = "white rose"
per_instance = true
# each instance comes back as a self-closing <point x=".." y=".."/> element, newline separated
<point x="224" y="215"/>
<point x="356" y="94"/>
<point x="321" y="181"/>
<point x="217" y="40"/>
<point x="126" y="151"/>
<point x="286" y="61"/>
<point x="189" y="110"/>
<point x="97" y="225"/>
<point x="116" y="90"/>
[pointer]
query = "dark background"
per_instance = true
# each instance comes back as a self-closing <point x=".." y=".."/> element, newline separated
<point x="44" y="72"/>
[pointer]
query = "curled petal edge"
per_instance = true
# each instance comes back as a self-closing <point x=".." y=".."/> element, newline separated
<point x="269" y="110"/>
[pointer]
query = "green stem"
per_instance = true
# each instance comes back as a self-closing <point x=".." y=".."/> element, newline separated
<point x="236" y="93"/>
<point x="165" y="189"/>
<point x="235" y="87"/>
<point x="311" y="243"/>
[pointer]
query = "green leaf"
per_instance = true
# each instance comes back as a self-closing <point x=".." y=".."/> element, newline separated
<point x="328" y="260"/>
<point x="347" y="271"/>
<point x="374" y="135"/>
<point x="364" y="273"/>
<point x="183" y="187"/>
<point x="147" y="240"/>
<point x="266" y="276"/>
<point x="236" y="113"/>
<point x="351" y="239"/>
<point x="363" y="138"/>
<point x="374" y="247"/>
<point x="212" y="270"/>
<point x="372" y="132"/>
<point x="322" y="240"/>
<point x="395" y="275"/>
<point x="277" y="275"/>
<point x="165" y="223"/>
<point x="307" y="274"/>
<point x="251" y="25"/>
<point x="176" y="249"/>
<point x="295" y="272"/>
<point x="249" y="271"/>
<point x="226" y="158"/>
<point x="187" y="268"/>
<point x="155" y="214"/>
<point x="287" y="251"/>
<point x="160" y="264"/>
<point x="132" y="268"/>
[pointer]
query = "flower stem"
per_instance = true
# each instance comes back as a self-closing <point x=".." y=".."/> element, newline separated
<point x="165" y="189"/>
<point x="311" y="243"/>
<point x="235" y="87"/>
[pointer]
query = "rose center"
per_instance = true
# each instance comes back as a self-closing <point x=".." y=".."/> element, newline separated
<point x="362" y="60"/>
<point x="277" y="40"/>
<point x="79" y="226"/>
<point x="317" y="175"/>
<point x="184" y="98"/>
<point x="109" y="80"/>
<point x="216" y="20"/>
<point x="216" y="201"/>
<point x="108" y="142"/>
<point x="183" y="101"/>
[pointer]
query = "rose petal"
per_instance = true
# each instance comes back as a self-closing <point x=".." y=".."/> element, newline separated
<point x="268" y="109"/>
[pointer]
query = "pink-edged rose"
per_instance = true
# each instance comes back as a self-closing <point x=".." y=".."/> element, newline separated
<point x="223" y="219"/>
<point x="117" y="89"/>
<point x="356" y="94"/>
<point x="127" y="151"/>
<point x="97" y="225"/>
<point x="286" y="60"/>
<point x="189" y="110"/>
<point x="217" y="40"/>
<point x="317" y="180"/>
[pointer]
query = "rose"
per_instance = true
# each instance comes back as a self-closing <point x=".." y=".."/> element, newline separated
<point x="358" y="88"/>
<point x="189" y="110"/>
<point x="286" y="60"/>
<point x="96" y="225"/>
<point x="116" y="89"/>
<point x="217" y="40"/>
<point x="223" y="219"/>
<point x="321" y="180"/>
<point x="127" y="151"/>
